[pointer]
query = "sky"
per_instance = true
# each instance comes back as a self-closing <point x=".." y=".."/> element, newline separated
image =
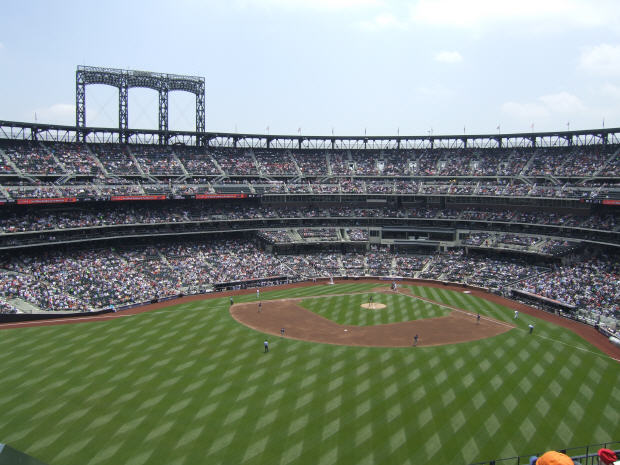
<point x="351" y="67"/>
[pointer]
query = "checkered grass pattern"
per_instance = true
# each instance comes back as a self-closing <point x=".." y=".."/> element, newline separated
<point x="326" y="289"/>
<point x="474" y="304"/>
<point x="189" y="385"/>
<point x="346" y="309"/>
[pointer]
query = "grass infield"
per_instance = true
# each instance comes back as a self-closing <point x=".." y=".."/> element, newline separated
<point x="189" y="385"/>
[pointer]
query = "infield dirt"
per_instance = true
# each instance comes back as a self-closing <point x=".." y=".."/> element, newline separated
<point x="303" y="324"/>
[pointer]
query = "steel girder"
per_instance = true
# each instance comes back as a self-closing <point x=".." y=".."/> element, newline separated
<point x="124" y="79"/>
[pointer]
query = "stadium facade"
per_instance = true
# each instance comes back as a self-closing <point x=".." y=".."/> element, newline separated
<point x="541" y="199"/>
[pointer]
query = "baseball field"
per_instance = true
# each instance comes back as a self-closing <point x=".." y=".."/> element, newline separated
<point x="190" y="383"/>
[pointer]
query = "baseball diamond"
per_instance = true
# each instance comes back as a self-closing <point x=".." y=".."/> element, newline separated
<point x="185" y="381"/>
<point x="458" y="326"/>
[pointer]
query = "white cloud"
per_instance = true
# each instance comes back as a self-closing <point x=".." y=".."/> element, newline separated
<point x="603" y="60"/>
<point x="478" y="13"/>
<point x="562" y="104"/>
<point x="525" y="111"/>
<point x="383" y="21"/>
<point x="434" y="92"/>
<point x="611" y="90"/>
<point x="448" y="57"/>
<point x="312" y="4"/>
<point x="59" y="113"/>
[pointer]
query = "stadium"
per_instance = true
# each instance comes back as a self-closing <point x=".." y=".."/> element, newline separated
<point x="198" y="297"/>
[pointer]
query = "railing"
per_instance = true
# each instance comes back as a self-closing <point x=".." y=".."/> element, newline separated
<point x="584" y="455"/>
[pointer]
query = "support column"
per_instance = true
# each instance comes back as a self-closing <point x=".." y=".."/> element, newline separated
<point x="163" y="115"/>
<point x="200" y="115"/>
<point x="123" y="109"/>
<point x="80" y="104"/>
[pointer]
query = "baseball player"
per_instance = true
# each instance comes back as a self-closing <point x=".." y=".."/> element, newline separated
<point x="415" y="340"/>
<point x="266" y="344"/>
<point x="516" y="315"/>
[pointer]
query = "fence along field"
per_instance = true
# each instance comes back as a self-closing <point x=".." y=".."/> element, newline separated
<point x="189" y="384"/>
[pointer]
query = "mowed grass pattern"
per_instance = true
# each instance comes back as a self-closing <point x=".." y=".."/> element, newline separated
<point x="189" y="385"/>
<point x="346" y="309"/>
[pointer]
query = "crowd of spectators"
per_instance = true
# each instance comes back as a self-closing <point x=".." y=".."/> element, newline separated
<point x="157" y="160"/>
<point x="85" y="280"/>
<point x="197" y="161"/>
<point x="32" y="158"/>
<point x="593" y="285"/>
<point x="356" y="234"/>
<point x="353" y="264"/>
<point x="475" y="239"/>
<point x="97" y="279"/>
<point x="557" y="247"/>
<point x="276" y="236"/>
<point x="75" y="158"/>
<point x="408" y="265"/>
<point x="312" y="163"/>
<point x="98" y="187"/>
<point x="275" y="163"/>
<point x="235" y="162"/>
<point x="6" y="307"/>
<point x="341" y="164"/>
<point x="40" y="220"/>
<point x="379" y="261"/>
<point x="323" y="234"/>
<point x="47" y="158"/>
<point x="480" y="271"/>
<point x="517" y="239"/>
<point x="222" y="261"/>
<point x="115" y="159"/>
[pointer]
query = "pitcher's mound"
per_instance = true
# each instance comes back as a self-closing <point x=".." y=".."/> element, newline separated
<point x="373" y="306"/>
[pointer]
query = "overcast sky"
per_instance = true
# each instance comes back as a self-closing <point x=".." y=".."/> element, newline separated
<point x="380" y="66"/>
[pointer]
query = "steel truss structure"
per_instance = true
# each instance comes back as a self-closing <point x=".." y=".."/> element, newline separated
<point x="124" y="79"/>
<point x="56" y="133"/>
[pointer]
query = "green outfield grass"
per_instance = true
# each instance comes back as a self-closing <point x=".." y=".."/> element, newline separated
<point x="189" y="385"/>
<point x="346" y="309"/>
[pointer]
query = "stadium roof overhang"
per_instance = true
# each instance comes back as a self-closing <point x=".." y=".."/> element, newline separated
<point x="61" y="133"/>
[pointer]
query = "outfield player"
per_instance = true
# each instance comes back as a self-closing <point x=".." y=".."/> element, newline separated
<point x="266" y="344"/>
<point x="516" y="315"/>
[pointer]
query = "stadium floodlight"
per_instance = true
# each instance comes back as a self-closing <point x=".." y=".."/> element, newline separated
<point x="124" y="79"/>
